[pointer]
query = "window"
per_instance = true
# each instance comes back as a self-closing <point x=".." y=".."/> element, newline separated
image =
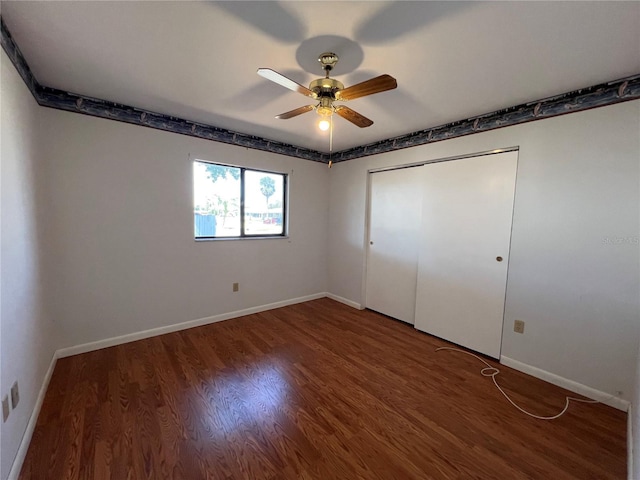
<point x="234" y="202"/>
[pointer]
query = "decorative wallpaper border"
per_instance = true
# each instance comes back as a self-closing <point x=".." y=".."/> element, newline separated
<point x="54" y="98"/>
<point x="584" y="99"/>
<point x="592" y="97"/>
<point x="61" y="100"/>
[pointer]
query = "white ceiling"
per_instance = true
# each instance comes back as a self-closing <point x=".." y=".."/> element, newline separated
<point x="198" y="60"/>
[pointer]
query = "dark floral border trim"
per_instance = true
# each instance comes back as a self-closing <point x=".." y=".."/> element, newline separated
<point x="579" y="100"/>
<point x="15" y="55"/>
<point x="592" y="97"/>
<point x="51" y="97"/>
<point x="59" y="99"/>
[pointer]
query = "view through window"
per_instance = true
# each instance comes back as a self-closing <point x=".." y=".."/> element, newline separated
<point x="235" y="202"/>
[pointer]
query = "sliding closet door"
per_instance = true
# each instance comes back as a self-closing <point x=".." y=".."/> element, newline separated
<point x="464" y="250"/>
<point x="394" y="232"/>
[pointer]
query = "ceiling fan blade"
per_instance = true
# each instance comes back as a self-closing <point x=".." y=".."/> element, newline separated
<point x="353" y="116"/>
<point x="285" y="82"/>
<point x="368" y="87"/>
<point x="295" y="113"/>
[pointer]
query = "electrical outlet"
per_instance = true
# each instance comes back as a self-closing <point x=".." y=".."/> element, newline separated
<point x="236" y="287"/>
<point x="518" y="326"/>
<point x="5" y="408"/>
<point x="15" y="395"/>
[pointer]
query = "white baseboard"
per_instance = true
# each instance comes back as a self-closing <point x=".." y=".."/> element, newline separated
<point x="346" y="301"/>
<point x="132" y="337"/>
<point x="31" y="425"/>
<point x="630" y="443"/>
<point x="565" y="383"/>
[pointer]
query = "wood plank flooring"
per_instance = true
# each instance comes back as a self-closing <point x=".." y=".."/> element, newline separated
<point x="311" y="391"/>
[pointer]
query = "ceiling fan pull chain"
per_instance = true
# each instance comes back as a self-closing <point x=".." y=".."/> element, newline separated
<point x="330" y="140"/>
<point x="330" y="135"/>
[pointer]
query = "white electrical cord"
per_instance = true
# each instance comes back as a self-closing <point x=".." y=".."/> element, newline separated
<point x="493" y="372"/>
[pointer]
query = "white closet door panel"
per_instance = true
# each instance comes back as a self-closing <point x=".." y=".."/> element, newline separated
<point x="466" y="226"/>
<point x="394" y="233"/>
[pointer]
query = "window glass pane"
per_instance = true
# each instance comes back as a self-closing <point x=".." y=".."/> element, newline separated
<point x="216" y="190"/>
<point x="264" y="203"/>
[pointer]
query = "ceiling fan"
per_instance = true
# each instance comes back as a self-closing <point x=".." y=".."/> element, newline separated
<point x="329" y="90"/>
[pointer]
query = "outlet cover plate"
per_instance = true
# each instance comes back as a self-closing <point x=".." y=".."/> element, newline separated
<point x="518" y="326"/>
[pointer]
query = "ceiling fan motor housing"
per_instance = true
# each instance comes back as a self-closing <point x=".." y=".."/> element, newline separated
<point x="326" y="87"/>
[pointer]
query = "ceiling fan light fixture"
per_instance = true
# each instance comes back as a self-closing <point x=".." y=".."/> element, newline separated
<point x="324" y="111"/>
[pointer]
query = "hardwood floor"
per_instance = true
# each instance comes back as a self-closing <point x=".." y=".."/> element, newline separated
<point x="311" y="391"/>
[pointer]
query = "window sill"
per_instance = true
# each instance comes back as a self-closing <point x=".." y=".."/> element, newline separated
<point x="226" y="239"/>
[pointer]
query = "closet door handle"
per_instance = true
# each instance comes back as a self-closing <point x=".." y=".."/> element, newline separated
<point x="499" y="259"/>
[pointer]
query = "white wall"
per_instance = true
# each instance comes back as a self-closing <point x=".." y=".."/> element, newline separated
<point x="577" y="186"/>
<point x="27" y="334"/>
<point x="125" y="256"/>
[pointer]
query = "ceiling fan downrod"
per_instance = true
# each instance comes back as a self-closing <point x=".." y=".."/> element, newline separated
<point x="328" y="61"/>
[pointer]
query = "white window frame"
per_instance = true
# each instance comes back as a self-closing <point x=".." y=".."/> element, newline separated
<point x="243" y="235"/>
